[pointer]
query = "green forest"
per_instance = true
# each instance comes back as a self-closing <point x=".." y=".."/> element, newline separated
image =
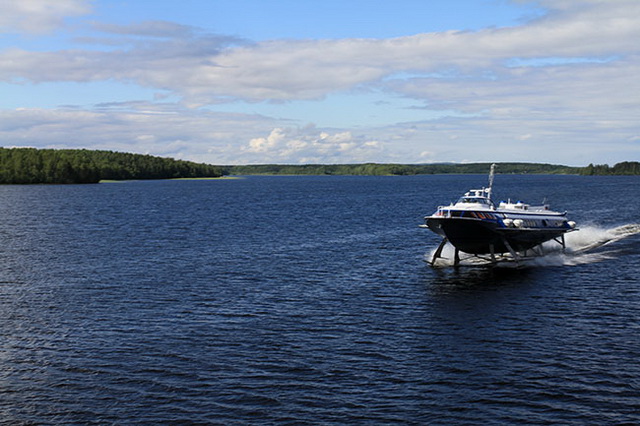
<point x="374" y="169"/>
<point x="624" y="168"/>
<point x="30" y="165"/>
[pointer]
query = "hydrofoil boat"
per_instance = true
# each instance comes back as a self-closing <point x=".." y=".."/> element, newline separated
<point x="475" y="225"/>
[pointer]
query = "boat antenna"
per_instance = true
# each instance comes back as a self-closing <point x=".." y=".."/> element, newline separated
<point x="491" y="176"/>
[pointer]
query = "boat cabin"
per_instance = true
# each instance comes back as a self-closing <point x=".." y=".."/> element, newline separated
<point x="475" y="198"/>
<point x="520" y="206"/>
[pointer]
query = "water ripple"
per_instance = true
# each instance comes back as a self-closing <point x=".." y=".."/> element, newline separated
<point x="253" y="302"/>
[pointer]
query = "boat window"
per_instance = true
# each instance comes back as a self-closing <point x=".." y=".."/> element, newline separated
<point x="473" y="200"/>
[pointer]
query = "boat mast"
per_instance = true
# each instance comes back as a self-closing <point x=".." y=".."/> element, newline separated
<point x="491" y="176"/>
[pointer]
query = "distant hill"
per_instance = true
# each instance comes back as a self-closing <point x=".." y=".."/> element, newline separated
<point x="30" y="165"/>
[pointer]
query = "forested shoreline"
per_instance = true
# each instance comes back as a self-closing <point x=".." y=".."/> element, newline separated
<point x="624" y="168"/>
<point x="35" y="166"/>
<point x="31" y="165"/>
<point x="376" y="169"/>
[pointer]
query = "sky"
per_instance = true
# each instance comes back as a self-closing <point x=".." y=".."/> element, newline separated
<point x="325" y="81"/>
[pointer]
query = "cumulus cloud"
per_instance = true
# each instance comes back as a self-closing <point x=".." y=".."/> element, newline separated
<point x="311" y="145"/>
<point x="266" y="144"/>
<point x="38" y="16"/>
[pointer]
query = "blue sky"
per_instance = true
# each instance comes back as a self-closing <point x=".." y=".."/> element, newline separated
<point x="249" y="81"/>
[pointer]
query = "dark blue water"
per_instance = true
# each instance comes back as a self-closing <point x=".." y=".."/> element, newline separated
<point x="307" y="300"/>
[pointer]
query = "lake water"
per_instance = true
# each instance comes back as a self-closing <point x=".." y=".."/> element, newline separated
<point x="307" y="300"/>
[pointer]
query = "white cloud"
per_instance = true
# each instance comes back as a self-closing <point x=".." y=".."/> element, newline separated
<point x="223" y="138"/>
<point x="218" y="138"/>
<point x="205" y="68"/>
<point x="38" y="16"/>
<point x="311" y="145"/>
<point x="268" y="143"/>
<point x="165" y="130"/>
<point x="575" y="89"/>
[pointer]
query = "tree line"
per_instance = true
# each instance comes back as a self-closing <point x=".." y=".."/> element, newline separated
<point x="30" y="165"/>
<point x="376" y="169"/>
<point x="624" y="168"/>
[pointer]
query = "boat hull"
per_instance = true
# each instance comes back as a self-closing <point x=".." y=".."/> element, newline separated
<point x="475" y="236"/>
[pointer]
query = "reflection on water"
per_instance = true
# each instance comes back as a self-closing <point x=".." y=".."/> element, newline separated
<point x="470" y="279"/>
